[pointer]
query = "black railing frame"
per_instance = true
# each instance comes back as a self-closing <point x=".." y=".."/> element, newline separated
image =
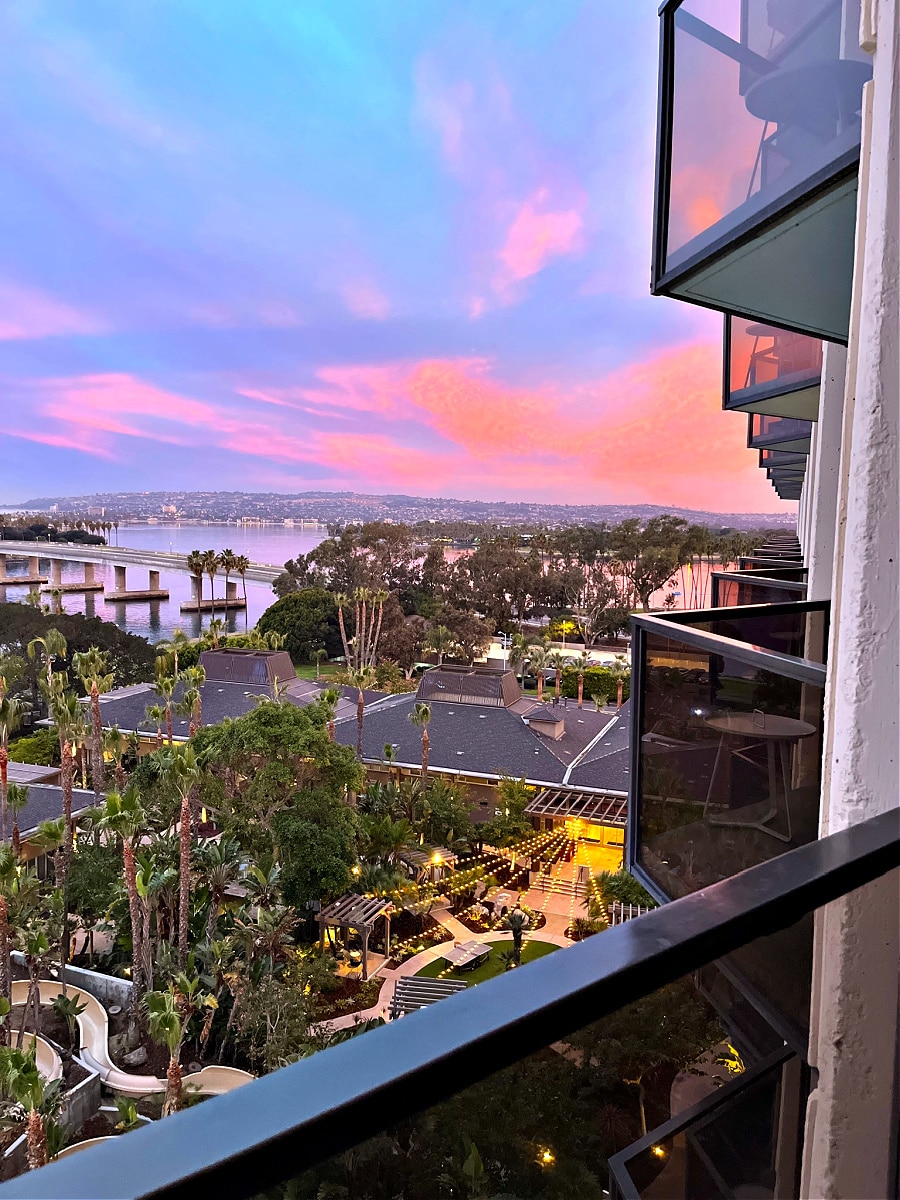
<point x="841" y="170"/>
<point x="239" y="1144"/>
<point x="762" y="578"/>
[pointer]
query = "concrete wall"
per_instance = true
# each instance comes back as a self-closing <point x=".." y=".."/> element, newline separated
<point x="851" y="1119"/>
<point x="107" y="988"/>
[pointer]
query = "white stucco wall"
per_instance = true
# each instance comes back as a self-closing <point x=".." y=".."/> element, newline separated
<point x="851" y="1116"/>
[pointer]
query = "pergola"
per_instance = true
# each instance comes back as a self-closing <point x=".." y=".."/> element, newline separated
<point x="428" y="861"/>
<point x="562" y="804"/>
<point x="412" y="992"/>
<point x="359" y="913"/>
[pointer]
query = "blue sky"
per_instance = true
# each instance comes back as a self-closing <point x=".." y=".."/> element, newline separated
<point x="384" y="246"/>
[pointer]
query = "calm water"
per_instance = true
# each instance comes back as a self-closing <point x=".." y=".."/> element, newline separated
<point x="156" y="619"/>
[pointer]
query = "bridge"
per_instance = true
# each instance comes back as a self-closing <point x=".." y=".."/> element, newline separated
<point x="120" y="558"/>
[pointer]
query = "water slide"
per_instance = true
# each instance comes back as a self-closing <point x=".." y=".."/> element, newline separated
<point x="93" y="1025"/>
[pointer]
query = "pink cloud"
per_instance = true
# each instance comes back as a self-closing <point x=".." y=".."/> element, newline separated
<point x="537" y="234"/>
<point x="77" y="440"/>
<point x="27" y="313"/>
<point x="366" y="300"/>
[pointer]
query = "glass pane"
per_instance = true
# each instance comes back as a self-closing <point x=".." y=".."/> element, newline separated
<point x="730" y="1151"/>
<point x="736" y="591"/>
<point x="767" y="430"/>
<point x="766" y="361"/>
<point x="764" y="98"/>
<point x="545" y="1128"/>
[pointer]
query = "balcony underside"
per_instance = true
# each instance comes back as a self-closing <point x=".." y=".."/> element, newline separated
<point x="795" y="271"/>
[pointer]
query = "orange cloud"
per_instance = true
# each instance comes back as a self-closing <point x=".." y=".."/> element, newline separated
<point x="537" y="234"/>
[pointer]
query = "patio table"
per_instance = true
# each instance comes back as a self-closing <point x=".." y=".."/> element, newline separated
<point x="467" y="953"/>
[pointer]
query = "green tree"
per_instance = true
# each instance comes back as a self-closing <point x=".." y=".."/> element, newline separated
<point x="447" y="813"/>
<point x="316" y="841"/>
<point x="308" y="620"/>
<point x="12" y="710"/>
<point x="228" y="565"/>
<point x="95" y="876"/>
<point x="195" y="566"/>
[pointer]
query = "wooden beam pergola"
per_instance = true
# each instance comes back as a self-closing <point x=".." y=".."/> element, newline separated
<point x="360" y="913"/>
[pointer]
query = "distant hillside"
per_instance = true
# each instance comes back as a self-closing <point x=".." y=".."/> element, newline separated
<point x="337" y="507"/>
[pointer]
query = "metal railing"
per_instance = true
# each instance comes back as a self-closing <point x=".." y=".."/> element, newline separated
<point x="239" y="1144"/>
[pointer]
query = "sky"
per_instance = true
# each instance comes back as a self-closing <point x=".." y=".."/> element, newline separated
<point x="347" y="244"/>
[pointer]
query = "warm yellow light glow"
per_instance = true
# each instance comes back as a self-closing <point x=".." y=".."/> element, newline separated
<point x="547" y="1157"/>
<point x="659" y="1151"/>
<point x="355" y="871"/>
<point x="203" y="816"/>
<point x="436" y="859"/>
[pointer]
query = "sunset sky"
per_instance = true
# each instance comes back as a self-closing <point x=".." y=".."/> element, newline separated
<point x="395" y="246"/>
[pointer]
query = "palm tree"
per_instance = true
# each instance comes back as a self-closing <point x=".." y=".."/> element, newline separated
<point x="11" y="712"/>
<point x="167" y="1030"/>
<point x="68" y="717"/>
<point x="441" y="641"/>
<point x="178" y="642"/>
<point x="124" y="815"/>
<point x="519" y="652"/>
<point x="538" y="660"/>
<point x="341" y="601"/>
<point x="516" y="922"/>
<point x="219" y="863"/>
<point x="157" y="714"/>
<point x="16" y="798"/>
<point x="557" y="659"/>
<point x="420" y="717"/>
<point x="319" y="655"/>
<point x="51" y="646"/>
<point x="242" y="566"/>
<point x="194" y="678"/>
<point x="211" y="567"/>
<point x="165" y="689"/>
<point x="228" y="563"/>
<point x="360" y="680"/>
<point x="214" y="632"/>
<point x="90" y="667"/>
<point x="182" y="769"/>
<point x="116" y="746"/>
<point x="195" y="566"/>
<point x="24" y="1083"/>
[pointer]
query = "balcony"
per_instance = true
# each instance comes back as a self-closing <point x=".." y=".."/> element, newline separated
<point x="765" y="432"/>
<point x="782" y="458"/>
<point x="757" y="159"/>
<point x="384" y="1095"/>
<point x="726" y="749"/>
<point x="732" y="589"/>
<point x="771" y="370"/>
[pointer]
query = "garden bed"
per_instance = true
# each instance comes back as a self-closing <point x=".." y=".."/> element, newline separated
<point x="350" y="996"/>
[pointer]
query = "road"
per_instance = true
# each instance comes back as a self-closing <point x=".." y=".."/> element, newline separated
<point x="122" y="556"/>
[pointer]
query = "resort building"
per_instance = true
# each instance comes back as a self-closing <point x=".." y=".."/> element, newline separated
<point x="236" y="680"/>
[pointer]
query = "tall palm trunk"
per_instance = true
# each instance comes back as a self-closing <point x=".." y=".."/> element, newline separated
<point x="426" y="746"/>
<point x="96" y="743"/>
<point x="4" y="788"/>
<point x="360" y="714"/>
<point x="184" y="871"/>
<point x="134" y="912"/>
<point x="344" y="636"/>
<point x="169" y="731"/>
<point x="540" y="683"/>
<point x="35" y="1140"/>
<point x="5" y="965"/>
<point x="146" y="943"/>
<point x="172" y="1101"/>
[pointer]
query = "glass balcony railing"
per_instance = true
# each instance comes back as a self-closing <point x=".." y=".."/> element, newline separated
<point x="770" y="457"/>
<point x="779" y="433"/>
<point x="725" y="1147"/>
<point x="730" y="589"/>
<point x="759" y="119"/>
<point x="755" y="562"/>
<point x="771" y="370"/>
<point x="504" y="1088"/>
<point x="726" y="752"/>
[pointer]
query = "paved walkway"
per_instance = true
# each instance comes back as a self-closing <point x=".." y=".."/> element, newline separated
<point x="460" y="933"/>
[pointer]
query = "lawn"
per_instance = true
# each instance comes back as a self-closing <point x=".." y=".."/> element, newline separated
<point x="492" y="965"/>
